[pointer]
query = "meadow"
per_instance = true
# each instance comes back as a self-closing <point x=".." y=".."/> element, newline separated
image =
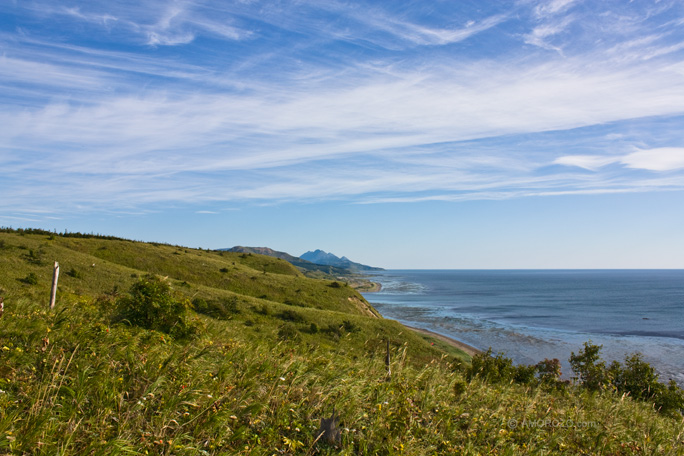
<point x="251" y="355"/>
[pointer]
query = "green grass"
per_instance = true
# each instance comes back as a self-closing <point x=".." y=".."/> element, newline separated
<point x="258" y="380"/>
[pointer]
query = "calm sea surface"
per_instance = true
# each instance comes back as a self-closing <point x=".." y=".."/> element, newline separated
<point x="534" y="314"/>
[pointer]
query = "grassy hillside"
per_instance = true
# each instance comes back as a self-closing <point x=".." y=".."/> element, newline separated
<point x="279" y="352"/>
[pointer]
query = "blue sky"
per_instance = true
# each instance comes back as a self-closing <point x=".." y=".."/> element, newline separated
<point x="443" y="134"/>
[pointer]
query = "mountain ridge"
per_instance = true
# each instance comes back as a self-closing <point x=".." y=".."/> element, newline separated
<point x="295" y="261"/>
<point x="329" y="259"/>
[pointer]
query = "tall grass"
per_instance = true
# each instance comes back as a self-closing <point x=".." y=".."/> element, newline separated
<point x="77" y="380"/>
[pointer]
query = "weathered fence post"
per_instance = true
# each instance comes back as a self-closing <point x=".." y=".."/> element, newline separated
<point x="387" y="361"/>
<point x="53" y="293"/>
<point x="329" y="431"/>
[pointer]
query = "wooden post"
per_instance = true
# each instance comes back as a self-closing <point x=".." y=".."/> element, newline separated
<point x="329" y="431"/>
<point x="53" y="293"/>
<point x="387" y="360"/>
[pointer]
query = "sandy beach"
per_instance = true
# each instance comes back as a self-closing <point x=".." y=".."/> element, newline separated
<point x="472" y="351"/>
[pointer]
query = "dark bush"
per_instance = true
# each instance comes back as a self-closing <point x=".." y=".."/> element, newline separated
<point x="350" y="326"/>
<point x="151" y="305"/>
<point x="262" y="309"/>
<point x="524" y="374"/>
<point x="549" y="371"/>
<point x="291" y="315"/>
<point x="221" y="309"/>
<point x="288" y="331"/>
<point x="74" y="273"/>
<point x="491" y="368"/>
<point x="30" y="279"/>
<point x="459" y="388"/>
<point x="636" y="378"/>
<point x="334" y="331"/>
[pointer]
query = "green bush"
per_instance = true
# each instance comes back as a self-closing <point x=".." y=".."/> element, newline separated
<point x="524" y="374"/>
<point x="30" y="279"/>
<point x="350" y="326"/>
<point x="288" y="331"/>
<point x="549" y="372"/>
<point x="221" y="309"/>
<point x="74" y="273"/>
<point x="640" y="381"/>
<point x="291" y="315"/>
<point x="151" y="305"/>
<point x="637" y="379"/>
<point x="590" y="371"/>
<point x="493" y="369"/>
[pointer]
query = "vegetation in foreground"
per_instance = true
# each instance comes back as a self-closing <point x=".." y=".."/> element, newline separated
<point x="250" y="375"/>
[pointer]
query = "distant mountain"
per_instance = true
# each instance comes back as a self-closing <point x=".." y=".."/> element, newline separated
<point x="328" y="259"/>
<point x="298" y="262"/>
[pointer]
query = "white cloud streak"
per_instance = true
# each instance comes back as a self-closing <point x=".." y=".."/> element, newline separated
<point x="116" y="128"/>
<point x="657" y="159"/>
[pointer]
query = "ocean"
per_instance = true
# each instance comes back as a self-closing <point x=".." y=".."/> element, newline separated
<point x="530" y="315"/>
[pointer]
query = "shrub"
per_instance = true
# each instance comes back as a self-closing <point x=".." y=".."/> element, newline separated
<point x="291" y="315"/>
<point x="288" y="331"/>
<point x="549" y="371"/>
<point x="30" y="279"/>
<point x="459" y="388"/>
<point x="34" y="257"/>
<point x="637" y="378"/>
<point x="74" y="273"/>
<point x="221" y="309"/>
<point x="590" y="371"/>
<point x="524" y="374"/>
<point x="334" y="331"/>
<point x="262" y="309"/>
<point x="152" y="306"/>
<point x="350" y="326"/>
<point x="313" y="328"/>
<point x="491" y="368"/>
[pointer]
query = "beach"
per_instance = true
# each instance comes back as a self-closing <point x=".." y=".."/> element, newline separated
<point x="471" y="351"/>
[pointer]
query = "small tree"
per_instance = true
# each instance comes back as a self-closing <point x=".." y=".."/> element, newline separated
<point x="591" y="372"/>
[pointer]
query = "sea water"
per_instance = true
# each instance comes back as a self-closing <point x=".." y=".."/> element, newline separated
<point x="530" y="315"/>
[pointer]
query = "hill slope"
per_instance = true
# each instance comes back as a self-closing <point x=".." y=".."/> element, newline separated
<point x="274" y="352"/>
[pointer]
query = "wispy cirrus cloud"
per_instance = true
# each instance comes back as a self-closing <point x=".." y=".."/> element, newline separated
<point x="337" y="101"/>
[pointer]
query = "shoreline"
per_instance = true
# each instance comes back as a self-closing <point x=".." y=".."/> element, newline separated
<point x="468" y="349"/>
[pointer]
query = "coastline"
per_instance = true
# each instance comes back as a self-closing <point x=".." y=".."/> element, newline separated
<point x="471" y="351"/>
<point x="365" y="286"/>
